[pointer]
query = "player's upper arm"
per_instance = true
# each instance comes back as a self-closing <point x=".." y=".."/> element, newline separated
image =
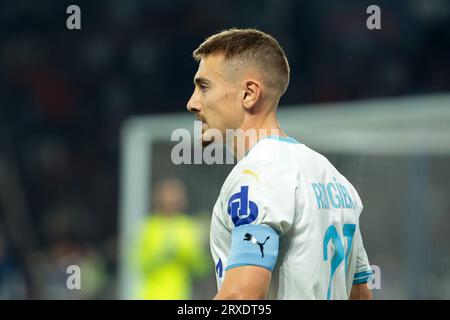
<point x="260" y="203"/>
<point x="245" y="283"/>
<point x="252" y="258"/>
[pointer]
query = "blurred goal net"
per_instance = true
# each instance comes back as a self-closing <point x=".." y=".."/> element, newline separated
<point x="396" y="152"/>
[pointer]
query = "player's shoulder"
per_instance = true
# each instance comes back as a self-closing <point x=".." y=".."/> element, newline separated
<point x="272" y="150"/>
<point x="285" y="153"/>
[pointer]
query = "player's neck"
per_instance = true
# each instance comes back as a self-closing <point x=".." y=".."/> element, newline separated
<point x="254" y="129"/>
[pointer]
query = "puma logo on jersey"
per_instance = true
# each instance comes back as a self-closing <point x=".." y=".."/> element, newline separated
<point x="252" y="239"/>
<point x="252" y="173"/>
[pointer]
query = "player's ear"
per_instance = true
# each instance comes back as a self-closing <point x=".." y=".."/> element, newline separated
<point x="251" y="93"/>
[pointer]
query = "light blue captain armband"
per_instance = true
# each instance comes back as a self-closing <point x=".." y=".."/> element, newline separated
<point x="253" y="245"/>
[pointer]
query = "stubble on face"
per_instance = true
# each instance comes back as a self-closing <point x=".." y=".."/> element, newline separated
<point x="219" y="112"/>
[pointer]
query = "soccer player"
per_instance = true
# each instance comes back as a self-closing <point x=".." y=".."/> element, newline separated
<point x="286" y="222"/>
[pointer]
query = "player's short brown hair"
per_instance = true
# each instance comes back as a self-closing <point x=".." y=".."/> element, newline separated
<point x="251" y="46"/>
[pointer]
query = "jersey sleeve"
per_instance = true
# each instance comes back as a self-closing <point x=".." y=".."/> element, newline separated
<point x="363" y="270"/>
<point x="260" y="208"/>
<point x="261" y="193"/>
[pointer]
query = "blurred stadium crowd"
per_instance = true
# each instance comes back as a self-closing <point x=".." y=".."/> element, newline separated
<point x="64" y="95"/>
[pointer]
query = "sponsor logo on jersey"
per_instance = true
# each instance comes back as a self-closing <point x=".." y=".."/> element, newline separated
<point x="241" y="209"/>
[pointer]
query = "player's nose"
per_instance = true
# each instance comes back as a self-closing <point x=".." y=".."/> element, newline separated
<point x="193" y="105"/>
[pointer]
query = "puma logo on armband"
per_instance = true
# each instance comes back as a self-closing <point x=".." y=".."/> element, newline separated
<point x="252" y="239"/>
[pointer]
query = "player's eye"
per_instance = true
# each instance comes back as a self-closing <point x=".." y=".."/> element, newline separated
<point x="203" y="87"/>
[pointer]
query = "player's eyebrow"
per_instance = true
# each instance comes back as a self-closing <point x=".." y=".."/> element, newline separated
<point x="200" y="80"/>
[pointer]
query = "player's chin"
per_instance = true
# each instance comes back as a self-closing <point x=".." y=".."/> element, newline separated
<point x="207" y="136"/>
<point x="207" y="142"/>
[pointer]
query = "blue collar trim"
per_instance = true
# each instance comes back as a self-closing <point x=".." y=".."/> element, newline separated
<point x="283" y="139"/>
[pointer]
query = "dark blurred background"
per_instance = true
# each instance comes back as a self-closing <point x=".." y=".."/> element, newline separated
<point x="64" y="95"/>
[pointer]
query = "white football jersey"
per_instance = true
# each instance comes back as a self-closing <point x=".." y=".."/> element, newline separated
<point x="284" y="184"/>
